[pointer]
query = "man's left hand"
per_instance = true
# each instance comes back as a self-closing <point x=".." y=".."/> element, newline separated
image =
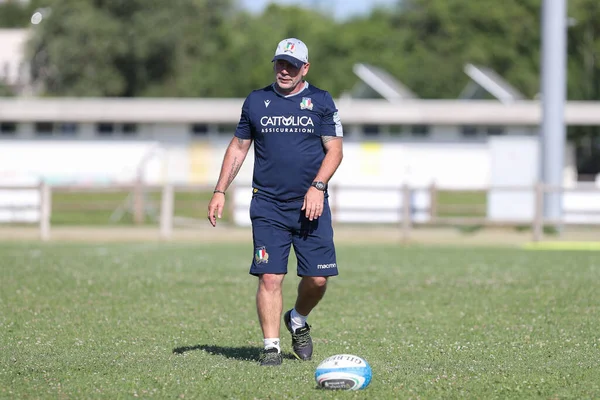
<point x="313" y="203"/>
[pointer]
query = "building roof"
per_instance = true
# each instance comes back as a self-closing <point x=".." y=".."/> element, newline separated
<point x="352" y="111"/>
<point x="382" y="83"/>
<point x="486" y="79"/>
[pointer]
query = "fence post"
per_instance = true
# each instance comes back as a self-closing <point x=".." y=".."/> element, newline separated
<point x="45" y="210"/>
<point x="166" y="212"/>
<point x="332" y="202"/>
<point x="538" y="220"/>
<point x="139" y="208"/>
<point x="406" y="213"/>
<point x="433" y="202"/>
<point x="231" y="204"/>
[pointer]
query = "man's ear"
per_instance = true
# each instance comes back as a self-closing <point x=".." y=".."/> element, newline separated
<point x="305" y="69"/>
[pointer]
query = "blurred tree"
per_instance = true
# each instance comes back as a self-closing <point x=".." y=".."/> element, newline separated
<point x="15" y="14"/>
<point x="210" y="48"/>
<point x="584" y="49"/>
<point x="248" y="42"/>
<point x="441" y="36"/>
<point x="248" y="45"/>
<point x="121" y="48"/>
<point x="584" y="77"/>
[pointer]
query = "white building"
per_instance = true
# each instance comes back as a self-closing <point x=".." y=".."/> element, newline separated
<point x="391" y="140"/>
<point x="14" y="70"/>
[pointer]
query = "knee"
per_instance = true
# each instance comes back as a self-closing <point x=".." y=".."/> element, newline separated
<point x="271" y="282"/>
<point x="319" y="282"/>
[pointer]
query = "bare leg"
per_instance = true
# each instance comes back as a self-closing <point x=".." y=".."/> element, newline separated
<point x="269" y="303"/>
<point x="311" y="290"/>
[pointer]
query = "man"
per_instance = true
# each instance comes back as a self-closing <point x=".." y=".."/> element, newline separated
<point x="297" y="148"/>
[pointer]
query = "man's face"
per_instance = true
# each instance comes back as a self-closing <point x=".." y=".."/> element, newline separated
<point x="288" y="76"/>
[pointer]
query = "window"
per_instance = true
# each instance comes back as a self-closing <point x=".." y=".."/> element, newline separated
<point x="58" y="129"/>
<point x="371" y="130"/>
<point x="199" y="129"/>
<point x="469" y="131"/>
<point x="420" y="130"/>
<point x="8" y="128"/>
<point x="68" y="128"/>
<point x="44" y="128"/>
<point x="129" y="129"/>
<point x="495" y="130"/>
<point x="110" y="129"/>
<point x="105" y="128"/>
<point x="396" y="130"/>
<point x="227" y="129"/>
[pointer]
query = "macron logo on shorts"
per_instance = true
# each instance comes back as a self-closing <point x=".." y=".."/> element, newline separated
<point x="326" y="266"/>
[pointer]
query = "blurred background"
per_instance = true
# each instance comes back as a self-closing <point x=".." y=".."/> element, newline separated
<point x="117" y="112"/>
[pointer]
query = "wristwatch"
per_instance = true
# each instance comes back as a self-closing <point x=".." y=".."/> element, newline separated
<point x="319" y="185"/>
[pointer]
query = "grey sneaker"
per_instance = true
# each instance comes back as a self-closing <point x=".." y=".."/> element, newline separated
<point x="270" y="357"/>
<point x="301" y="340"/>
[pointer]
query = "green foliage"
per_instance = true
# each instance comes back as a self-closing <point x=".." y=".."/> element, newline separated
<point x="176" y="321"/>
<point x="14" y="14"/>
<point x="441" y="36"/>
<point x="584" y="77"/>
<point x="584" y="50"/>
<point x="5" y="91"/>
<point x="209" y="48"/>
<point x="96" y="209"/>
<point x="116" y="48"/>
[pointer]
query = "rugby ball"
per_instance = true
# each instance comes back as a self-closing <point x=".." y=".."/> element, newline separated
<point x="343" y="372"/>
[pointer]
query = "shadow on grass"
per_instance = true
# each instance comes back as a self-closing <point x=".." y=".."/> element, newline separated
<point x="245" y="353"/>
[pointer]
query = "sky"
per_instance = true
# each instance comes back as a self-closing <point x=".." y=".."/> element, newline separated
<point x="342" y="9"/>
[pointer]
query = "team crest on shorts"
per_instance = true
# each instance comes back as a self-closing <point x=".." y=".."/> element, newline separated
<point x="306" y="104"/>
<point x="261" y="255"/>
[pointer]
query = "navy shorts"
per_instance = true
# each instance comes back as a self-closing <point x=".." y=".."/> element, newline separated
<point x="278" y="225"/>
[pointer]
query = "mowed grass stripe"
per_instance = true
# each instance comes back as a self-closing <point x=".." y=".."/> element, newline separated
<point x="179" y="321"/>
<point x="563" y="245"/>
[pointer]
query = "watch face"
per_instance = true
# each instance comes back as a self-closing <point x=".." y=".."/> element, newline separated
<point x="320" y="185"/>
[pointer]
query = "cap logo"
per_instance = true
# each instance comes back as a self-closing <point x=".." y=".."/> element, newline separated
<point x="290" y="47"/>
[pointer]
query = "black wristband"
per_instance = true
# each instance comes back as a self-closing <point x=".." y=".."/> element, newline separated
<point x="219" y="191"/>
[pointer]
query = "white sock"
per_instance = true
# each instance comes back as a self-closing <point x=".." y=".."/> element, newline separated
<point x="272" y="343"/>
<point x="298" y="320"/>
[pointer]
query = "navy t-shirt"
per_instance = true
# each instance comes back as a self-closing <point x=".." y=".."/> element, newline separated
<point x="287" y="131"/>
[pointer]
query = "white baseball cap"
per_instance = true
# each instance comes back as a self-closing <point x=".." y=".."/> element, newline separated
<point x="292" y="50"/>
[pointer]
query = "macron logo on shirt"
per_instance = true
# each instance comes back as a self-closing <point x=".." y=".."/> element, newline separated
<point x="267" y="102"/>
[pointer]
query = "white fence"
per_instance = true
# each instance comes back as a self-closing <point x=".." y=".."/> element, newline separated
<point x="40" y="207"/>
<point x="406" y="206"/>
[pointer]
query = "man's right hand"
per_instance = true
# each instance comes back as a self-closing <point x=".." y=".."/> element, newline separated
<point x="215" y="208"/>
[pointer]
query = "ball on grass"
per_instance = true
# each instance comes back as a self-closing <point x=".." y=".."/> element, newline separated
<point x="343" y="372"/>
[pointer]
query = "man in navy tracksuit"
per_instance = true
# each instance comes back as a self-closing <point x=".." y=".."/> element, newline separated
<point x="297" y="138"/>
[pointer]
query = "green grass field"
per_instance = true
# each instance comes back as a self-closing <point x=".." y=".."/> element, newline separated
<point x="176" y="321"/>
<point x="75" y="208"/>
<point x="81" y="208"/>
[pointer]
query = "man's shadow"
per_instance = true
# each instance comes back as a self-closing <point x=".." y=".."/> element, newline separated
<point x="245" y="353"/>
